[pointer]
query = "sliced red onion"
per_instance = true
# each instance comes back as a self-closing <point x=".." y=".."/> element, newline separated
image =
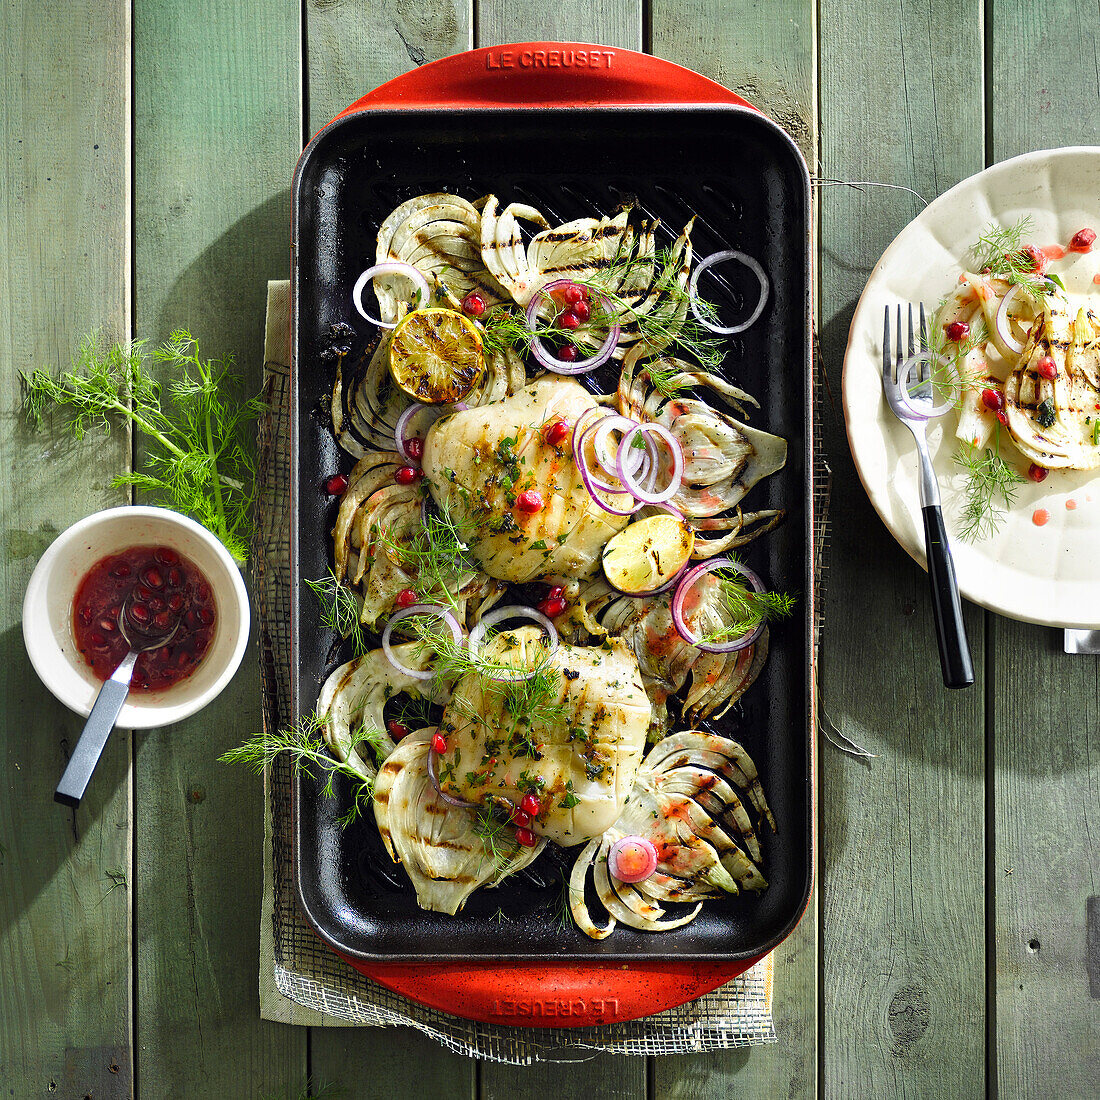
<point x="430" y="414"/>
<point x="417" y="609"/>
<point x="646" y="494"/>
<point x="689" y="579"/>
<point x="394" y="267"/>
<point x="560" y="366"/>
<point x="721" y="257"/>
<point x="632" y="848"/>
<point x="1004" y="327"/>
<point x="593" y="485"/>
<point x="609" y="464"/>
<point x="906" y="380"/>
<point x="512" y="611"/>
<point x="433" y="778"/>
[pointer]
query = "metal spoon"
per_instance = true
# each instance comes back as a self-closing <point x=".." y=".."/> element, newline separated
<point x="109" y="702"/>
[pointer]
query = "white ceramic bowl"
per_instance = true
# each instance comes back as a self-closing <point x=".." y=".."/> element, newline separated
<point x="48" y="611"/>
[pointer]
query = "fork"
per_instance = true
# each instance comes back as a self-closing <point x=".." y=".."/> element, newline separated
<point x="914" y="408"/>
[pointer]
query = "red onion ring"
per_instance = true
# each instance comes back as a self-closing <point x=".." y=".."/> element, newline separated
<point x="1004" y="330"/>
<point x="417" y="609"/>
<point x="435" y="412"/>
<point x="646" y="495"/>
<point x="560" y="366"/>
<point x="616" y="852"/>
<point x="433" y="778"/>
<point x="592" y="484"/>
<point x="905" y="371"/>
<point x="610" y="464"/>
<point x="512" y="611"/>
<point x="721" y="257"/>
<point x="685" y="585"/>
<point x="394" y="267"/>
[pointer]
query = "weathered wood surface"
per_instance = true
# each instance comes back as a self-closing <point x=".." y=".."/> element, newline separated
<point x="949" y="875"/>
<point x="1045" y="754"/>
<point x="65" y="1024"/>
<point x="902" y="836"/>
<point x="218" y="112"/>
<point x="767" y="53"/>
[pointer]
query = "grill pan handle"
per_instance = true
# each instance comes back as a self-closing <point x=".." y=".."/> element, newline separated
<point x="545" y="74"/>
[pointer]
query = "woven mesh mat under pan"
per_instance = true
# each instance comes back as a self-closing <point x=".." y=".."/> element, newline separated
<point x="294" y="963"/>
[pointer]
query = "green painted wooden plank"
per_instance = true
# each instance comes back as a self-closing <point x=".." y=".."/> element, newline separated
<point x="768" y="55"/>
<point x="65" y="960"/>
<point x="903" y="944"/>
<point x="217" y="118"/>
<point x="765" y="52"/>
<point x="609" y="23"/>
<point x="1046" y="748"/>
<point x="352" y="48"/>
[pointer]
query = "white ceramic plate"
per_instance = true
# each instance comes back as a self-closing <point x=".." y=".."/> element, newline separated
<point x="1043" y="574"/>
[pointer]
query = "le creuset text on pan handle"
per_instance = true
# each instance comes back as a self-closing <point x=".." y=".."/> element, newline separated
<point x="545" y="74"/>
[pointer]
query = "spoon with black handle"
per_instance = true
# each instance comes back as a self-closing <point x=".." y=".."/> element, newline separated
<point x="139" y="636"/>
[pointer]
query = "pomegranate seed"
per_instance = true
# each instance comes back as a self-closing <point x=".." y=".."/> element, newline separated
<point x="121" y="570"/>
<point x="175" y="578"/>
<point x="157" y="604"/>
<point x="958" y="331"/>
<point x="439" y="743"/>
<point x="336" y="484"/>
<point x="139" y="613"/>
<point x="526" y="837"/>
<point x="414" y="448"/>
<point x="406" y="475"/>
<point x="473" y="304"/>
<point x="529" y="501"/>
<point x="530" y="804"/>
<point x="192" y="621"/>
<point x="163" y="654"/>
<point x="166" y="555"/>
<point x="993" y="400"/>
<point x="1046" y="368"/>
<point x="573" y="294"/>
<point x="107" y="626"/>
<point x="1037" y="472"/>
<point x="175" y="603"/>
<point x="520" y="818"/>
<point x="153" y="578"/>
<point x="552" y="608"/>
<point x="1038" y="259"/>
<point x="567" y="353"/>
<point x="397" y="729"/>
<point x="1003" y="418"/>
<point x="85" y="615"/>
<point x="557" y="431"/>
<point x="582" y="311"/>
<point x="1082" y="241"/>
<point x="569" y="320"/>
<point x="555" y="593"/>
<point x="406" y="597"/>
<point x="163" y="620"/>
<point x="206" y="616"/>
<point x="97" y="641"/>
<point x="144" y="594"/>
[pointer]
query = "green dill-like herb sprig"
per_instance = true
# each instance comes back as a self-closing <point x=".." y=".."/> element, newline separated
<point x="496" y="834"/>
<point x="308" y="752"/>
<point x="340" y="610"/>
<point x="438" y="555"/>
<point x="745" y="608"/>
<point x="991" y="488"/>
<point x="1000" y="250"/>
<point x="200" y="458"/>
<point x="947" y="373"/>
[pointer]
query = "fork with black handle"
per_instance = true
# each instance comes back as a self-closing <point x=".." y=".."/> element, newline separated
<point x="914" y="407"/>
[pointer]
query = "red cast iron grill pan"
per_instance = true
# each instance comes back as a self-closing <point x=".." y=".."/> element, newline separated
<point x="573" y="129"/>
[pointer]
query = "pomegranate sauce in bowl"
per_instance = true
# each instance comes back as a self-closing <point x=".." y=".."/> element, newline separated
<point x="167" y="589"/>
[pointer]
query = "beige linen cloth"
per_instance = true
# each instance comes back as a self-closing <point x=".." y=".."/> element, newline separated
<point x="301" y="980"/>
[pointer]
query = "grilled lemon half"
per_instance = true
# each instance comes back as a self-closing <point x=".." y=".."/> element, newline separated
<point x="647" y="554"/>
<point x="436" y="355"/>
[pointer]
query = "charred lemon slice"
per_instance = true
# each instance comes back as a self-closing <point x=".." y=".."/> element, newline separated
<point x="647" y="554"/>
<point x="435" y="355"/>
